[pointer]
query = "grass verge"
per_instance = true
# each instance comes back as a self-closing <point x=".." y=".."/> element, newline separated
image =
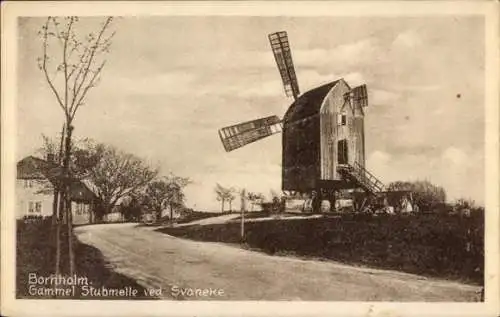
<point x="35" y="253"/>
<point x="435" y="245"/>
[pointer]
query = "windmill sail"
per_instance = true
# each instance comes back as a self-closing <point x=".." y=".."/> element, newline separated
<point x="283" y="55"/>
<point x="238" y="135"/>
<point x="358" y="96"/>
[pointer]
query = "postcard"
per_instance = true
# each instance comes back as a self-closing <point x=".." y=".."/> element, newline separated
<point x="250" y="158"/>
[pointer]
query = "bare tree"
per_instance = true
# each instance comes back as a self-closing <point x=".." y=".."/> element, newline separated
<point x="84" y="156"/>
<point x="230" y="197"/>
<point x="221" y="195"/>
<point x="225" y="194"/>
<point x="72" y="63"/>
<point x="117" y="175"/>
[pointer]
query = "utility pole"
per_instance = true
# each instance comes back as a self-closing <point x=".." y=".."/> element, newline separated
<point x="243" y="194"/>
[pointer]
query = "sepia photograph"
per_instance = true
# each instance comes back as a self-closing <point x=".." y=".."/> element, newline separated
<point x="224" y="157"/>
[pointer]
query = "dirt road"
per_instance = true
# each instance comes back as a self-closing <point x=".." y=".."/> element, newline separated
<point x="179" y="267"/>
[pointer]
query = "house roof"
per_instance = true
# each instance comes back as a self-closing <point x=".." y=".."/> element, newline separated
<point x="309" y="103"/>
<point x="32" y="167"/>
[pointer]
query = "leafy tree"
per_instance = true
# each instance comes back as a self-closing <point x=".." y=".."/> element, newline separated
<point x="467" y="207"/>
<point x="155" y="197"/>
<point x="425" y="194"/>
<point x="255" y="198"/>
<point x="117" y="175"/>
<point x="78" y="58"/>
<point x="167" y="192"/>
<point x="463" y="203"/>
<point x="175" y="195"/>
<point x="132" y="209"/>
<point x="84" y="156"/>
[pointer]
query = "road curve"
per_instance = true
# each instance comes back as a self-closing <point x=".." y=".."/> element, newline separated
<point x="158" y="260"/>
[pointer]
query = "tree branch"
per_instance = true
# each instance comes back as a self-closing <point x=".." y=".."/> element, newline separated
<point x="91" y="58"/>
<point x="44" y="66"/>
<point x="75" y="107"/>
<point x="65" y="64"/>
<point x="54" y="21"/>
<point x="80" y="71"/>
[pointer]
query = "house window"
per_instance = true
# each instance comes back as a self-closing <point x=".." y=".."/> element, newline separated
<point x="35" y="207"/>
<point x="341" y="119"/>
<point x="80" y="209"/>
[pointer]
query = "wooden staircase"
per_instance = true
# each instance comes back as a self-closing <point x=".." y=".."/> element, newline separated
<point x="359" y="175"/>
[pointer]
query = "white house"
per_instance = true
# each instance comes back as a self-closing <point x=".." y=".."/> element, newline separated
<point x="35" y="192"/>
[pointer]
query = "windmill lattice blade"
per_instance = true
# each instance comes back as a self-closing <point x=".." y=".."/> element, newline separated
<point x="283" y="56"/>
<point x="360" y="96"/>
<point x="239" y="135"/>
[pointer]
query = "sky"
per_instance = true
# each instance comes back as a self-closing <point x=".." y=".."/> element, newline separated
<point x="171" y="82"/>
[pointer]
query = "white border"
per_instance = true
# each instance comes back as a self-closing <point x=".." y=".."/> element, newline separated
<point x="11" y="306"/>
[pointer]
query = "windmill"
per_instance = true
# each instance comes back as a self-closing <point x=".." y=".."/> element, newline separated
<point x="323" y="132"/>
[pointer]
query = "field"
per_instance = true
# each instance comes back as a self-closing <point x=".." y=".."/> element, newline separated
<point x="438" y="245"/>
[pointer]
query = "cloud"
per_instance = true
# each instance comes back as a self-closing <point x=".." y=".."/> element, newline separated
<point x="418" y="88"/>
<point x="174" y="82"/>
<point x="407" y="40"/>
<point x="196" y="83"/>
<point x="354" y="79"/>
<point x="378" y="162"/>
<point x="382" y="97"/>
<point x="312" y="78"/>
<point x="459" y="171"/>
<point x="341" y="56"/>
<point x="454" y="156"/>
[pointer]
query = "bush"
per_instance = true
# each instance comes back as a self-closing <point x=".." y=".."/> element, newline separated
<point x="425" y="194"/>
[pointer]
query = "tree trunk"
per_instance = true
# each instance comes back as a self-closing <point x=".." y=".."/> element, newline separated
<point x="57" y="210"/>
<point x="70" y="235"/>
<point x="222" y="206"/>
<point x="91" y="211"/>
<point x="55" y="229"/>
<point x="67" y="195"/>
<point x="60" y="222"/>
<point x="230" y="206"/>
<point x="158" y="215"/>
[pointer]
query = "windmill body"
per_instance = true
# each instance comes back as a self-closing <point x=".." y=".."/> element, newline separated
<point x="322" y="130"/>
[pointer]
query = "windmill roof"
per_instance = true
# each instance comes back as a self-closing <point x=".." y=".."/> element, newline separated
<point x="309" y="103"/>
